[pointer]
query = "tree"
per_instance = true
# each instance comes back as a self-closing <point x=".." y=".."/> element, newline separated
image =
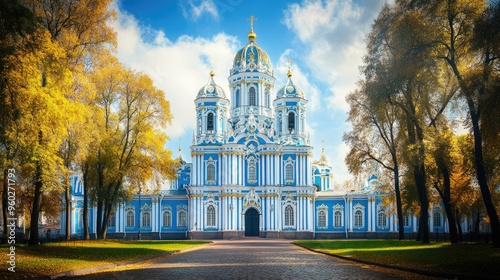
<point x="81" y="34"/>
<point x="465" y="33"/>
<point x="17" y="24"/>
<point x="374" y="138"/>
<point x="131" y="152"/>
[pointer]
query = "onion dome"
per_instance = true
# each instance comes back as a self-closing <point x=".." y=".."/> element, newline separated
<point x="211" y="89"/>
<point x="322" y="160"/>
<point x="252" y="58"/>
<point x="290" y="90"/>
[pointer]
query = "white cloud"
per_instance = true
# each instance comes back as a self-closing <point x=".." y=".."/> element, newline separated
<point x="194" y="9"/>
<point x="179" y="67"/>
<point x="333" y="34"/>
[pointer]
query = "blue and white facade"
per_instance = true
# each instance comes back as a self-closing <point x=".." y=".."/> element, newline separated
<point x="252" y="173"/>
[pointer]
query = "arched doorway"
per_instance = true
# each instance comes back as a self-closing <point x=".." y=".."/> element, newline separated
<point x="252" y="222"/>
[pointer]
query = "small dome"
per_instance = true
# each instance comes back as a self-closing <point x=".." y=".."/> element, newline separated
<point x="211" y="89"/>
<point x="252" y="58"/>
<point x="290" y="90"/>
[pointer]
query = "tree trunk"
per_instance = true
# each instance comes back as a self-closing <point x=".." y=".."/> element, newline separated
<point x="481" y="174"/>
<point x="67" y="192"/>
<point x="86" y="233"/>
<point x="35" y="211"/>
<point x="399" y="207"/>
<point x="100" y="205"/>
<point x="481" y="177"/>
<point x="446" y="197"/>
<point x="459" y="226"/>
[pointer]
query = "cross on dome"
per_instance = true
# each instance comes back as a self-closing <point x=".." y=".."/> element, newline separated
<point x="251" y="35"/>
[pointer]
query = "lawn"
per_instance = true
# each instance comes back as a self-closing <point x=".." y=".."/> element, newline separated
<point x="54" y="258"/>
<point x="465" y="259"/>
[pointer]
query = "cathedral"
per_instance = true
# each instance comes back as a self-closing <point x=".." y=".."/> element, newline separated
<point x="252" y="173"/>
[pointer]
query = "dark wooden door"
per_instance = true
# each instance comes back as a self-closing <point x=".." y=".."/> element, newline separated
<point x="252" y="222"/>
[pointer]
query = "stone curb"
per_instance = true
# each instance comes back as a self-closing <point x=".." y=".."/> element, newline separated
<point x="91" y="270"/>
<point x="407" y="269"/>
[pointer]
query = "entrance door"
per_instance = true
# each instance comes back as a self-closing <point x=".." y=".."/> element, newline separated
<point x="252" y="222"/>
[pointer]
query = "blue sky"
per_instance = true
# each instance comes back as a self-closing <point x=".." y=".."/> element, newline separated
<point x="178" y="42"/>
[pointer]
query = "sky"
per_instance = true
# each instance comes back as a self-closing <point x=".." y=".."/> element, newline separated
<point x="178" y="42"/>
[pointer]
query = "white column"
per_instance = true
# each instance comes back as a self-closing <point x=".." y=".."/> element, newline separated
<point x="370" y="214"/>
<point x="350" y="214"/>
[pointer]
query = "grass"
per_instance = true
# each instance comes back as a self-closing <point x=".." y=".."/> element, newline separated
<point x="465" y="259"/>
<point x="54" y="258"/>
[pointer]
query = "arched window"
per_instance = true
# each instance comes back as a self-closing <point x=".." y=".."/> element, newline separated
<point x="112" y="220"/>
<point x="210" y="122"/>
<point x="338" y="218"/>
<point x="382" y="219"/>
<point x="211" y="173"/>
<point x="358" y="218"/>
<point x="181" y="219"/>
<point x="211" y="216"/>
<point x="289" y="173"/>
<point x="80" y="219"/>
<point x="437" y="217"/>
<point x="322" y="219"/>
<point x="289" y="217"/>
<point x="146" y="219"/>
<point x="130" y="218"/>
<point x="406" y="220"/>
<point x="267" y="99"/>
<point x="167" y="219"/>
<point x="291" y="122"/>
<point x="237" y="98"/>
<point x="252" y="172"/>
<point x="252" y="97"/>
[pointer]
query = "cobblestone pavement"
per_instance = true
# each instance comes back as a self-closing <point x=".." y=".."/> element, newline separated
<point x="249" y="259"/>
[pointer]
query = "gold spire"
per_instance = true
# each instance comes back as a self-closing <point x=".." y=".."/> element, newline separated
<point x="251" y="35"/>
<point x="212" y="73"/>
<point x="289" y="73"/>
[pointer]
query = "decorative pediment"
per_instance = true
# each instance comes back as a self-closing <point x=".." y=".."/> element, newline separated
<point x="166" y="208"/>
<point x="359" y="206"/>
<point x="146" y="207"/>
<point x="251" y="199"/>
<point x="338" y="207"/>
<point x="322" y="207"/>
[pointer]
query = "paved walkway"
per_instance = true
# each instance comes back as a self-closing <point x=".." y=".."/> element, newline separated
<point x="248" y="259"/>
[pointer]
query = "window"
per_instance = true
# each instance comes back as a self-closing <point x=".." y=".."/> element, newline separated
<point x="267" y="98"/>
<point x="167" y="219"/>
<point x="252" y="98"/>
<point x="437" y="217"/>
<point x="289" y="219"/>
<point x="210" y="122"/>
<point x="80" y="219"/>
<point x="252" y="174"/>
<point x="211" y="216"/>
<point x="338" y="218"/>
<point x="291" y="122"/>
<point x="112" y="220"/>
<point x="358" y="218"/>
<point x="382" y="219"/>
<point x="289" y="173"/>
<point x="181" y="219"/>
<point x="322" y="219"/>
<point x="211" y="173"/>
<point x="130" y="218"/>
<point x="237" y="98"/>
<point x="406" y="220"/>
<point x="146" y="219"/>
